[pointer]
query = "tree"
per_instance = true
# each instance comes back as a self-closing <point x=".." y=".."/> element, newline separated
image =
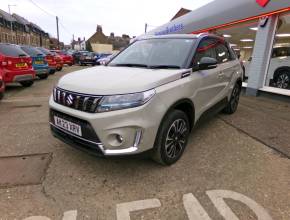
<point x="89" y="46"/>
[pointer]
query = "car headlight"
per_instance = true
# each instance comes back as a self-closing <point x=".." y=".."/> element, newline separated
<point x="118" y="102"/>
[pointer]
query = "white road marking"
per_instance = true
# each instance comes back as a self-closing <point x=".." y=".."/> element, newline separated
<point x="218" y="196"/>
<point x="124" y="209"/>
<point x="193" y="208"/>
<point x="70" y="215"/>
<point x="37" y="218"/>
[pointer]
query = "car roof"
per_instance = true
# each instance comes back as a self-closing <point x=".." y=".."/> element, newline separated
<point x="179" y="36"/>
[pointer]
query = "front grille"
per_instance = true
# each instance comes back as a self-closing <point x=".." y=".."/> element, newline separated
<point x="82" y="102"/>
<point x="88" y="132"/>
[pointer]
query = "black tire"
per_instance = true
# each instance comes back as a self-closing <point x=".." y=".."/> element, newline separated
<point x="70" y="64"/>
<point x="282" y="79"/>
<point x="171" y="142"/>
<point x="59" y="69"/>
<point x="51" y="72"/>
<point x="1" y="95"/>
<point x="27" y="83"/>
<point x="43" y="76"/>
<point x="234" y="100"/>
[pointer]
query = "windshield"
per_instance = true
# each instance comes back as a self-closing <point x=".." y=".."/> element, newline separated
<point x="163" y="53"/>
<point x="33" y="52"/>
<point x="11" y="50"/>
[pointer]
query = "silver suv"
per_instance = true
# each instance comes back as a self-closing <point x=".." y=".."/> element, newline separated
<point x="148" y="98"/>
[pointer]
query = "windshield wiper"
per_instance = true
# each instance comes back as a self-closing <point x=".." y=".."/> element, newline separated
<point x="164" y="67"/>
<point x="130" y="65"/>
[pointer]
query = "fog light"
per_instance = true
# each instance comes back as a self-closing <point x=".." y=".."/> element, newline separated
<point x="119" y="138"/>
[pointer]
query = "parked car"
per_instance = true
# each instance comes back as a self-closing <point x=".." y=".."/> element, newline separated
<point x="148" y="98"/>
<point x="2" y="83"/>
<point x="279" y="68"/>
<point x="16" y="65"/>
<point x="59" y="61"/>
<point x="66" y="58"/>
<point x="105" y="60"/>
<point x="76" y="56"/>
<point x="103" y="57"/>
<point x="39" y="62"/>
<point x="50" y="58"/>
<point x="87" y="58"/>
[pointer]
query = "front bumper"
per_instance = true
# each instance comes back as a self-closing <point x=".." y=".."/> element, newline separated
<point x="137" y="126"/>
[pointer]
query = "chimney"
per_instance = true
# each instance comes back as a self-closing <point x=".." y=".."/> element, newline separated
<point x="112" y="35"/>
<point x="124" y="36"/>
<point x="99" y="29"/>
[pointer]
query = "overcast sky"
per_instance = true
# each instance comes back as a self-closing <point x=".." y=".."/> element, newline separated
<point x="80" y="17"/>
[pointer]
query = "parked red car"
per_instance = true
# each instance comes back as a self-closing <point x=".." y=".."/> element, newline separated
<point x="2" y="84"/>
<point x="16" y="65"/>
<point x="50" y="58"/>
<point x="66" y="58"/>
<point x="59" y="61"/>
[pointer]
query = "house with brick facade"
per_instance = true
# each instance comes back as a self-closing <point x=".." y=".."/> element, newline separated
<point x="18" y="30"/>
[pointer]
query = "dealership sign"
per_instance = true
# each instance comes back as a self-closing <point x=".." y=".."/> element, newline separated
<point x="221" y="13"/>
<point x="263" y="3"/>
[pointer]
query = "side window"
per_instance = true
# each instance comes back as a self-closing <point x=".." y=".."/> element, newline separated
<point x="223" y="53"/>
<point x="207" y="48"/>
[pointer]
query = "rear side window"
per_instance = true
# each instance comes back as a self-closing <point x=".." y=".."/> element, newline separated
<point x="207" y="48"/>
<point x="32" y="51"/>
<point x="11" y="50"/>
<point x="223" y="53"/>
<point x="44" y="51"/>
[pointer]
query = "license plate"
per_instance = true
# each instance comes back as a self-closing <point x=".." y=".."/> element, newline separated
<point x="88" y="58"/>
<point x="21" y="64"/>
<point x="68" y="126"/>
<point x="38" y="62"/>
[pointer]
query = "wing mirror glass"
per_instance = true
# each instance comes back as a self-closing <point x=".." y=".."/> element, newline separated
<point x="207" y="63"/>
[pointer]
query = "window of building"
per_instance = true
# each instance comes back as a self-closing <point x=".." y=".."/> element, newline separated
<point x="242" y="39"/>
<point x="279" y="68"/>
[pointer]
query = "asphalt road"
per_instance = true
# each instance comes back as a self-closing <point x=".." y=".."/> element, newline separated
<point x="226" y="160"/>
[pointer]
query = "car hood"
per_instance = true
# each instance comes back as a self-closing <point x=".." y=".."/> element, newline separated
<point x="106" y="80"/>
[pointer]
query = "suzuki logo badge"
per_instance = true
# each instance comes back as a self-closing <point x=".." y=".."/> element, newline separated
<point x="262" y="3"/>
<point x="69" y="100"/>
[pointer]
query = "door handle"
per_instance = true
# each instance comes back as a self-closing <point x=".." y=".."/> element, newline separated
<point x="221" y="75"/>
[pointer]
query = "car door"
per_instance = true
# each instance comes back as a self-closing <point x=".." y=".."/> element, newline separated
<point x="208" y="83"/>
<point x="228" y="66"/>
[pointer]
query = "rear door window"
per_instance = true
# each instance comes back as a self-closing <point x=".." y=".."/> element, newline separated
<point x="32" y="51"/>
<point x="11" y="50"/>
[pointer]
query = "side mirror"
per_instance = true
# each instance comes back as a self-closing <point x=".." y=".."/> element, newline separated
<point x="207" y="63"/>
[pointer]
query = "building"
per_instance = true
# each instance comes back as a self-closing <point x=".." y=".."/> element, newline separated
<point x="107" y="44"/>
<point x="79" y="44"/>
<point x="17" y="30"/>
<point x="180" y="13"/>
<point x="54" y="44"/>
<point x="259" y="31"/>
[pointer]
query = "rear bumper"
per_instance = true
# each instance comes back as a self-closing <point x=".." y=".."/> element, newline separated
<point x="43" y="71"/>
<point x="19" y="75"/>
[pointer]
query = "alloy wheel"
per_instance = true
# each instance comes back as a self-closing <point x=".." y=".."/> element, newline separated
<point x="283" y="81"/>
<point x="235" y="98"/>
<point x="176" y="138"/>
